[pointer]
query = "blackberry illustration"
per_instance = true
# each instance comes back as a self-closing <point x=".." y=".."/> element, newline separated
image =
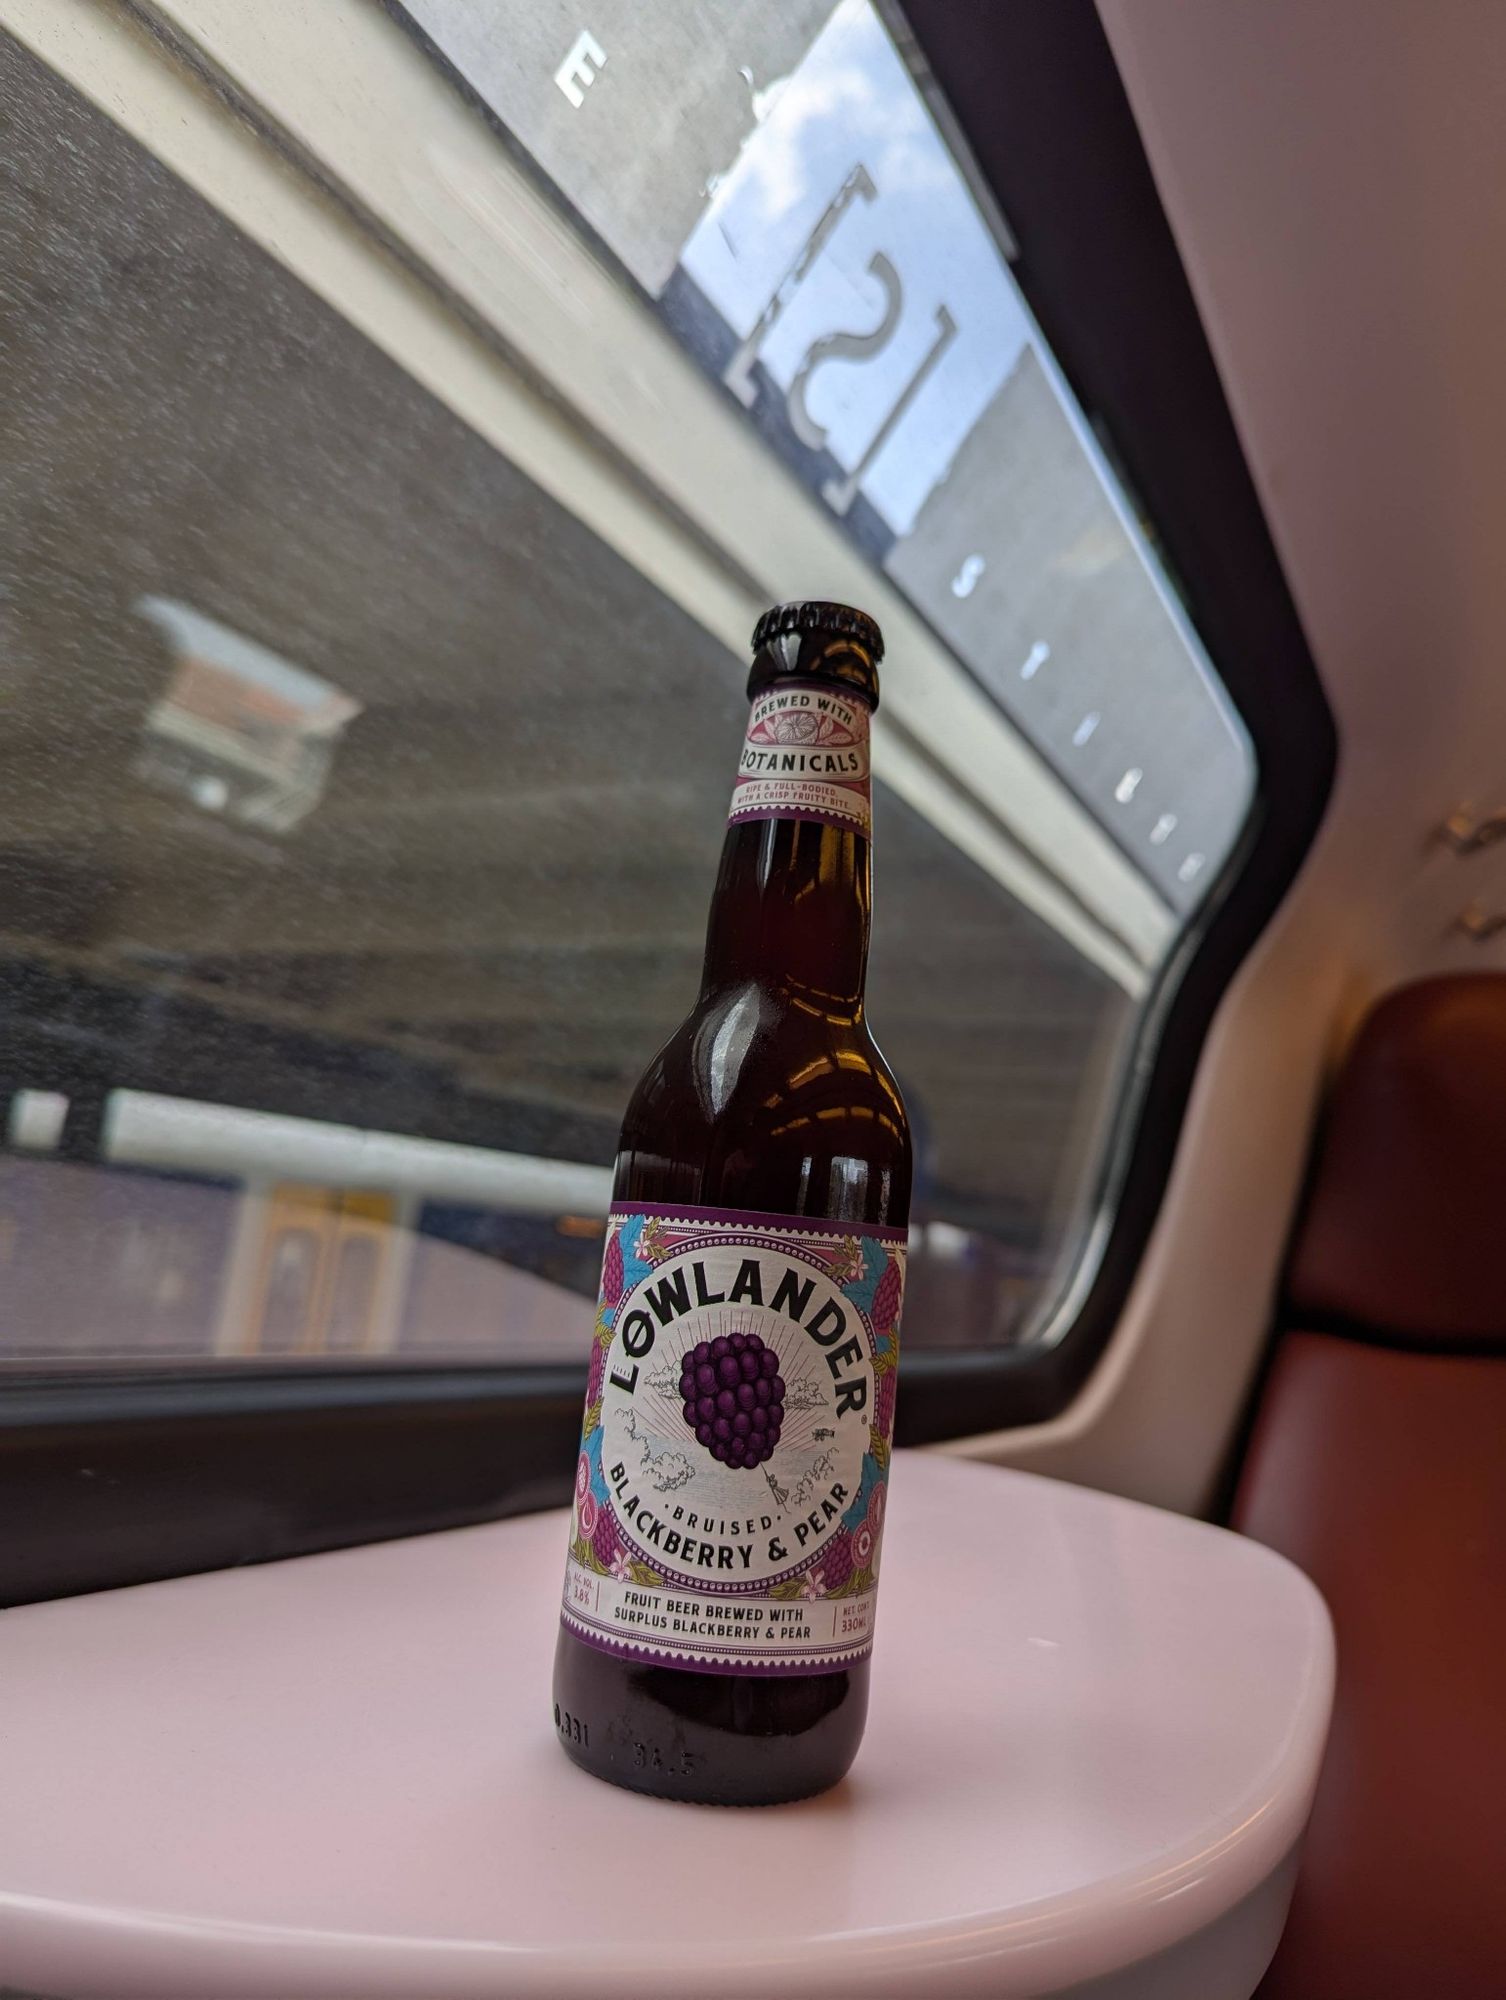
<point x="883" y="1415"/>
<point x="604" y="1539"/>
<point x="837" y="1564"/>
<point x="886" y="1296"/>
<point x="732" y="1397"/>
<point x="612" y="1274"/>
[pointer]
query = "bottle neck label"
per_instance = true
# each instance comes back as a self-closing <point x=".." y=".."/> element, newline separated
<point x="729" y="1496"/>
<point x="805" y="756"/>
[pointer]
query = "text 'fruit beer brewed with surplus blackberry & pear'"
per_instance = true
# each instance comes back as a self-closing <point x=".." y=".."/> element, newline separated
<point x="729" y="1496"/>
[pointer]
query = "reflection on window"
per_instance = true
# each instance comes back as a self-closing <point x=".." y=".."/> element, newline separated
<point x="347" y="885"/>
<point x="238" y="730"/>
<point x="811" y="239"/>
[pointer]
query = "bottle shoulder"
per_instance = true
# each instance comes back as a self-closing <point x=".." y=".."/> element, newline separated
<point x="755" y="1092"/>
<point x="750" y="1043"/>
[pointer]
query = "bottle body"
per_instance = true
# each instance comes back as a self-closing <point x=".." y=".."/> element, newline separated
<point x="725" y="1539"/>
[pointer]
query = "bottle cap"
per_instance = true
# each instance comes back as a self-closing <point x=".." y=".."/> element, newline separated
<point x="818" y="641"/>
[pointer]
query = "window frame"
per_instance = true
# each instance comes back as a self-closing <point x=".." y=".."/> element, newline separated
<point x="115" y="1477"/>
<point x="1097" y="261"/>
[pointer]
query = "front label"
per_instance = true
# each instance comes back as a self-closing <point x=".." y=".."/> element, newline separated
<point x="729" y="1497"/>
<point x="805" y="756"/>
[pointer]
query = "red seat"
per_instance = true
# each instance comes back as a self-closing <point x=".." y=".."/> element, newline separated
<point x="1378" y="1463"/>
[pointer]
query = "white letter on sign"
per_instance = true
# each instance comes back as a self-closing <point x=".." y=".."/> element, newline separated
<point x="577" y="72"/>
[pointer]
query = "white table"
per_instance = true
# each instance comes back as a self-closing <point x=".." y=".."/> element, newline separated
<point x="1093" y="1742"/>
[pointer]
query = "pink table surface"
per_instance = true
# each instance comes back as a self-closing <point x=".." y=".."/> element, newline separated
<point x="1095" y="1728"/>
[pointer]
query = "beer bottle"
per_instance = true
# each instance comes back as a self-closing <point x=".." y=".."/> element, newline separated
<point x="729" y="1496"/>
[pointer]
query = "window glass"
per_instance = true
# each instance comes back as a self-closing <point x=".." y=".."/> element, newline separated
<point x="384" y="504"/>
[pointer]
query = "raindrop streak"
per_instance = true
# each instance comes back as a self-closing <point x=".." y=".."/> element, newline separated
<point x="1085" y="728"/>
<point x="1128" y="785"/>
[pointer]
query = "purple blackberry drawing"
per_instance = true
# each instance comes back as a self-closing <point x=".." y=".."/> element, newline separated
<point x="884" y="1409"/>
<point x="732" y="1398"/>
<point x="604" y="1538"/>
<point x="611" y="1270"/>
<point x="837" y="1564"/>
<point x="886" y="1298"/>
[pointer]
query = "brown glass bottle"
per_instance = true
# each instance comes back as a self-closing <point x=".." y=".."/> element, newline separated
<point x="770" y="1100"/>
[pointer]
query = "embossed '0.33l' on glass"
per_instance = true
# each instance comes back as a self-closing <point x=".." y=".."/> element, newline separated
<point x="725" y="1538"/>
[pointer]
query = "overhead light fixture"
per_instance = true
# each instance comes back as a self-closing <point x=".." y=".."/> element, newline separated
<point x="239" y="730"/>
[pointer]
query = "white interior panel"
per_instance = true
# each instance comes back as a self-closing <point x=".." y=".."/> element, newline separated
<point x="1335" y="175"/>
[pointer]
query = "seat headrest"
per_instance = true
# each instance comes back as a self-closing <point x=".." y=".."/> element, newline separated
<point x="1405" y="1224"/>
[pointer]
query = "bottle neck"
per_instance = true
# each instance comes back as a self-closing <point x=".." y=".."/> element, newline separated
<point x="794" y="891"/>
<point x="791" y="911"/>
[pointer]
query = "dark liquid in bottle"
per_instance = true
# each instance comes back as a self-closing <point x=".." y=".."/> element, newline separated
<point x="773" y="1097"/>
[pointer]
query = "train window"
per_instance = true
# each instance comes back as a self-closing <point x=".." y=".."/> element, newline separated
<point x="390" y="480"/>
<point x="374" y="644"/>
